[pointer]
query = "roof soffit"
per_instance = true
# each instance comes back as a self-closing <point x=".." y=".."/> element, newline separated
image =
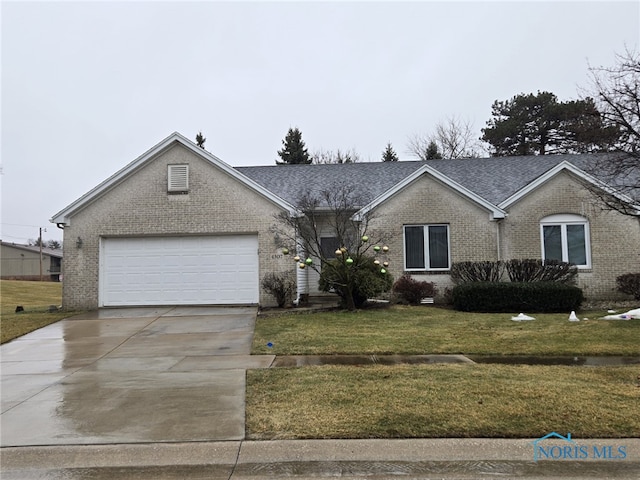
<point x="495" y="211"/>
<point x="561" y="167"/>
<point x="63" y="216"/>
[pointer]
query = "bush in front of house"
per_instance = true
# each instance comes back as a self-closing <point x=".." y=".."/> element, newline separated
<point x="363" y="280"/>
<point x="535" y="270"/>
<point x="485" y="271"/>
<point x="512" y="297"/>
<point x="629" y="283"/>
<point x="281" y="285"/>
<point x="408" y="290"/>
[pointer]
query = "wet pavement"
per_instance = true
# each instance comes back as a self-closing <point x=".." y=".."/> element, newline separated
<point x="466" y="458"/>
<point x="316" y="360"/>
<point x="159" y="393"/>
<point x="129" y="376"/>
<point x="602" y="361"/>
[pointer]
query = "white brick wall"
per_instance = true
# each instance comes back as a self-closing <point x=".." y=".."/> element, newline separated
<point x="140" y="205"/>
<point x="219" y="204"/>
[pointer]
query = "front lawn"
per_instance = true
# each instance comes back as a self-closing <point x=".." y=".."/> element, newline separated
<point x="433" y="330"/>
<point x="35" y="298"/>
<point x="411" y="401"/>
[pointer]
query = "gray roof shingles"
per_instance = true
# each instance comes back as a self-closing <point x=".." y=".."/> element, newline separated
<point x="495" y="179"/>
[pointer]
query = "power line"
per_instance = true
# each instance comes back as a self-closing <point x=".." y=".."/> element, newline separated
<point x="21" y="225"/>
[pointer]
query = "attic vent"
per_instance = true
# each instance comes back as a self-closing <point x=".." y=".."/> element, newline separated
<point x="178" y="178"/>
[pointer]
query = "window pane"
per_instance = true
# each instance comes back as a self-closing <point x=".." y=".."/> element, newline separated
<point x="414" y="247"/>
<point x="552" y="242"/>
<point x="328" y="246"/>
<point x="576" y="244"/>
<point x="438" y="247"/>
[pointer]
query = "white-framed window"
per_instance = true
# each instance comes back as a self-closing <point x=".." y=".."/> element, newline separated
<point x="178" y="178"/>
<point x="565" y="237"/>
<point x="426" y="247"/>
<point x="328" y="247"/>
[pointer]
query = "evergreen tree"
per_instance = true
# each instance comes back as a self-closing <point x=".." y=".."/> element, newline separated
<point x="540" y="125"/>
<point x="432" y="152"/>
<point x="200" y="139"/>
<point x="293" y="150"/>
<point x="389" y="155"/>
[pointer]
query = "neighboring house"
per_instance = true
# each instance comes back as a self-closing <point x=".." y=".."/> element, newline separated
<point x="22" y="262"/>
<point x="178" y="226"/>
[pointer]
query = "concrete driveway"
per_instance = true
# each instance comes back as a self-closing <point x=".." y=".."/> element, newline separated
<point x="135" y="375"/>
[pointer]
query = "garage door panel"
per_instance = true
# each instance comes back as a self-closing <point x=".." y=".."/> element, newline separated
<point x="179" y="270"/>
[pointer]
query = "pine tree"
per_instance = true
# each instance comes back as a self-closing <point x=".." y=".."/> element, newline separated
<point x="389" y="155"/>
<point x="541" y="125"/>
<point x="293" y="150"/>
<point x="200" y="139"/>
<point x="432" y="152"/>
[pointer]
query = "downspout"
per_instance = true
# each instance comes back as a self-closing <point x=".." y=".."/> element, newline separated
<point x="302" y="275"/>
<point x="498" y="243"/>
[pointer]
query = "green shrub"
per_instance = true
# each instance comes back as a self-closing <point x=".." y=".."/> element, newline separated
<point x="516" y="297"/>
<point x="534" y="270"/>
<point x="486" y="271"/>
<point x="281" y="285"/>
<point x="413" y="291"/>
<point x="361" y="280"/>
<point x="629" y="283"/>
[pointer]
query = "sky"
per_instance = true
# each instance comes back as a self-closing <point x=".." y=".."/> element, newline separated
<point x="87" y="87"/>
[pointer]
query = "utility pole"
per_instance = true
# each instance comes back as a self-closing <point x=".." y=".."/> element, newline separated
<point x="40" y="242"/>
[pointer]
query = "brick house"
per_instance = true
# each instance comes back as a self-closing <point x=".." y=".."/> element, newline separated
<point x="178" y="226"/>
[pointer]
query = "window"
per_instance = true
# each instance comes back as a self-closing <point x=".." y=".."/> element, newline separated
<point x="566" y="238"/>
<point x="178" y="179"/>
<point x="426" y="247"/>
<point x="328" y="246"/>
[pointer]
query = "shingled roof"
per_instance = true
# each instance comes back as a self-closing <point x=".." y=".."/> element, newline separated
<point x="495" y="179"/>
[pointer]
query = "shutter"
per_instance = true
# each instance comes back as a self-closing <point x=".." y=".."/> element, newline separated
<point x="178" y="178"/>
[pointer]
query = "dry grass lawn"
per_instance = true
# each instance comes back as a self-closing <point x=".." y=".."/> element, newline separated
<point x="433" y="330"/>
<point x="35" y="298"/>
<point x="411" y="401"/>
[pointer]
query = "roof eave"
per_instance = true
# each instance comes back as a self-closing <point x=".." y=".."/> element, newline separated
<point x="570" y="167"/>
<point x="63" y="216"/>
<point x="495" y="212"/>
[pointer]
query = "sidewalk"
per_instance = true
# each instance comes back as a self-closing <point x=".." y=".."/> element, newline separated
<point x="313" y="459"/>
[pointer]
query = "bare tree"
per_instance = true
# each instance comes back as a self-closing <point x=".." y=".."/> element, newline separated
<point x="616" y="91"/>
<point x="339" y="156"/>
<point x="346" y="262"/>
<point x="454" y="138"/>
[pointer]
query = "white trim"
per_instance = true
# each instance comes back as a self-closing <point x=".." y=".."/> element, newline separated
<point x="562" y="220"/>
<point x="178" y="178"/>
<point x="549" y="174"/>
<point x="496" y="212"/>
<point x="427" y="255"/>
<point x="63" y="216"/>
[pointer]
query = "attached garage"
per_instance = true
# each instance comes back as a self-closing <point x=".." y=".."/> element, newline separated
<point x="190" y="270"/>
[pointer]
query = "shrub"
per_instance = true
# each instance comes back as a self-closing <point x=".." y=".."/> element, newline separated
<point x="281" y="285"/>
<point x="362" y="280"/>
<point x="516" y="297"/>
<point x="534" y="270"/>
<point x="413" y="291"/>
<point x="487" y="271"/>
<point x="629" y="283"/>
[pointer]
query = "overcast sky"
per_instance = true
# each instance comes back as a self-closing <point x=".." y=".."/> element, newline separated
<point x="87" y="87"/>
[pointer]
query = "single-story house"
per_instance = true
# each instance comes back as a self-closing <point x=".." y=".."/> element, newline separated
<point x="178" y="226"/>
<point x="23" y="262"/>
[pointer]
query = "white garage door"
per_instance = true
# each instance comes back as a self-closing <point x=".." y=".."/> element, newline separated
<point x="204" y="270"/>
